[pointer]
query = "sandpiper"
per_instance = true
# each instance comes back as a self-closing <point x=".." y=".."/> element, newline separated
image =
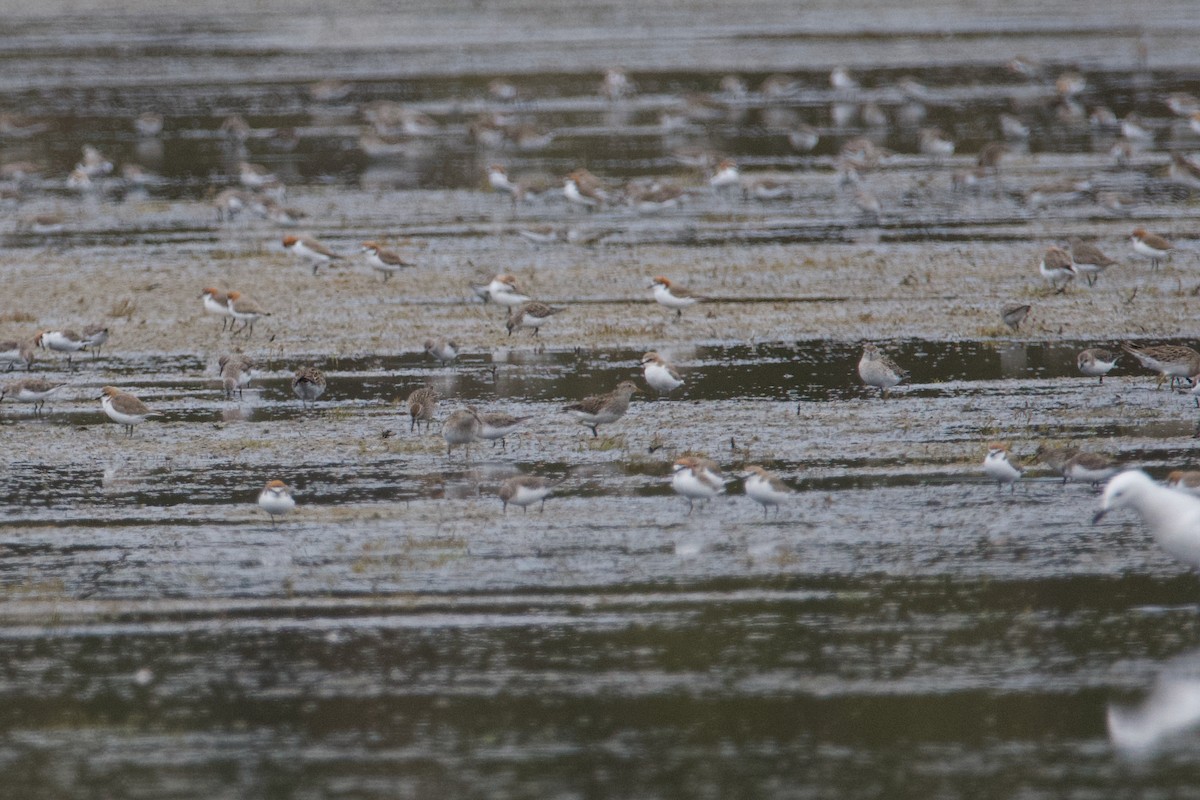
<point x="531" y="315"/>
<point x="308" y="383"/>
<point x="309" y="250"/>
<point x="124" y="408"/>
<point x="878" y="370"/>
<point x="1093" y="468"/>
<point x="765" y="488"/>
<point x="422" y="405"/>
<point x="1089" y="259"/>
<point x="1056" y="458"/>
<point x="1096" y="362"/>
<point x="673" y="296"/>
<point x="30" y="390"/>
<point x="998" y="465"/>
<point x="496" y="425"/>
<point x="602" y="409"/>
<point x="442" y="350"/>
<point x="386" y="261"/>
<point x="17" y="351"/>
<point x="1153" y="247"/>
<point x="276" y="499"/>
<point x="1014" y="314"/>
<point x="461" y="427"/>
<point x="1057" y="267"/>
<point x="236" y="373"/>
<point x="525" y="490"/>
<point x="660" y="375"/>
<point x="1169" y="360"/>
<point x="696" y="478"/>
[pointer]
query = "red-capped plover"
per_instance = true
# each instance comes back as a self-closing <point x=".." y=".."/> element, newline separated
<point x="422" y="405"/>
<point x="276" y="499"/>
<point x="386" y="261"/>
<point x="1172" y="361"/>
<point x="673" y="296"/>
<point x="531" y="315"/>
<point x="998" y="465"/>
<point x="94" y="338"/>
<point x="583" y="189"/>
<point x="30" y="390"/>
<point x="236" y="373"/>
<point x="525" y="490"/>
<point x="765" y="488"/>
<point x="502" y="290"/>
<point x="696" y="479"/>
<point x="1095" y="362"/>
<point x="725" y="176"/>
<point x="217" y="302"/>
<point x="602" y="409"/>
<point x="124" y="408"/>
<point x="1089" y="259"/>
<point x="309" y="384"/>
<point x="1184" y="481"/>
<point x="1057" y="267"/>
<point x="244" y="310"/>
<point x="660" y="375"/>
<point x="442" y="350"/>
<point x="495" y="426"/>
<point x="1173" y="516"/>
<point x="878" y="370"/>
<point x="309" y="250"/>
<point x="1153" y="247"/>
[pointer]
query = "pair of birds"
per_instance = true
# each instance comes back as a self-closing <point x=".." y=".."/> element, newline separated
<point x="465" y="426"/>
<point x="237" y="370"/>
<point x="699" y="478"/>
<point x="522" y="311"/>
<point x="233" y="307"/>
<point x="315" y="253"/>
<point x="1060" y="265"/>
<point x="1071" y="463"/>
<point x="64" y="341"/>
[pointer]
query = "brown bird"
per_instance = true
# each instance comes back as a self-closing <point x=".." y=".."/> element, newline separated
<point x="531" y="315"/>
<point x="602" y="409"/>
<point x="1153" y="247"/>
<point x="308" y="383"/>
<point x="244" y="310"/>
<point x="1014" y="314"/>
<point x="124" y="408"/>
<point x="1089" y="259"/>
<point x="385" y="261"/>
<point x="422" y="405"/>
<point x="1169" y="360"/>
<point x="235" y="373"/>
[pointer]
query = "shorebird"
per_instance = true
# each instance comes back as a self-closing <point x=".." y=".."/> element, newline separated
<point x="124" y="408"/>
<point x="878" y="370"/>
<point x="422" y="405"/>
<point x="1169" y="360"/>
<point x="1173" y="517"/>
<point x="602" y="409"/>
<point x="525" y="490"/>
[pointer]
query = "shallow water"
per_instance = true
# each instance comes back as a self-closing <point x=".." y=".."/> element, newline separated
<point x="901" y="628"/>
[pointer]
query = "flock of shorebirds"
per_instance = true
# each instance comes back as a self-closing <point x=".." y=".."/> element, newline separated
<point x="694" y="477"/>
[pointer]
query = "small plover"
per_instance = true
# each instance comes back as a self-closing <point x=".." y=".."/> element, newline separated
<point x="386" y="261"/>
<point x="422" y="405"/>
<point x="217" y="302"/>
<point x="1169" y="360"/>
<point x="673" y="296"/>
<point x="276" y="499"/>
<point x="1056" y="458"/>
<point x="62" y="341"/>
<point x="1096" y="362"/>
<point x="1150" y="246"/>
<point x="236" y="372"/>
<point x="878" y="370"/>
<point x="501" y="290"/>
<point x="998" y="465"/>
<point x="124" y="408"/>
<point x="660" y="375"/>
<point x="525" y="490"/>
<point x="30" y="390"/>
<point x="17" y="351"/>
<point x="309" y="250"/>
<point x="309" y="384"/>
<point x="696" y="478"/>
<point x="244" y="310"/>
<point x="1185" y="481"/>
<point x="602" y="409"/>
<point x="94" y="338"/>
<point x="765" y="488"/>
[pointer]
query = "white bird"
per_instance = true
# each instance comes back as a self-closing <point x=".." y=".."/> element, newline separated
<point x="697" y="479"/>
<point x="1173" y="517"/>
<point x="998" y="467"/>
<point x="276" y="499"/>
<point x="659" y="374"/>
<point x="765" y="488"/>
